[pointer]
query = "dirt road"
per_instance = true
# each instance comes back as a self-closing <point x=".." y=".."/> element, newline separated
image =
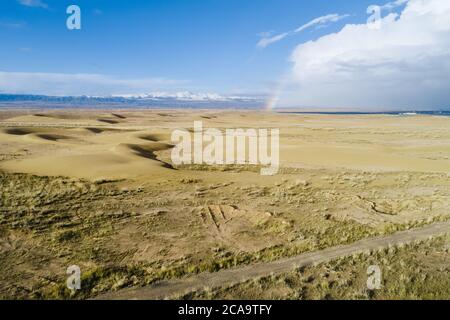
<point x="166" y="289"/>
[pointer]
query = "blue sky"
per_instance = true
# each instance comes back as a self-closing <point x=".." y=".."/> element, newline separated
<point x="206" y="44"/>
<point x="167" y="45"/>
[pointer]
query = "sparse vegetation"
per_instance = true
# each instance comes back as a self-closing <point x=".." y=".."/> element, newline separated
<point x="73" y="220"/>
<point x="415" y="271"/>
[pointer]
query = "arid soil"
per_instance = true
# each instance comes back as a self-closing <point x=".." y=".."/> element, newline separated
<point x="227" y="278"/>
<point x="98" y="189"/>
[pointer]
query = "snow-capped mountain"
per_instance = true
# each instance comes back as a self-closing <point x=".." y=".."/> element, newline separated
<point x="154" y="99"/>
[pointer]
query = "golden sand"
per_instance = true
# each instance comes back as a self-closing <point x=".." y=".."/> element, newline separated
<point x="125" y="144"/>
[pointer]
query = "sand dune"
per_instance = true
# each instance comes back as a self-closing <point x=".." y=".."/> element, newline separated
<point x="371" y="158"/>
<point x="40" y="135"/>
<point x="95" y="130"/>
<point x="18" y="131"/>
<point x="118" y="116"/>
<point x="146" y="151"/>
<point x="51" y="137"/>
<point x="108" y="121"/>
<point x="64" y="116"/>
<point x="93" y="165"/>
<point x="133" y="139"/>
<point x="98" y="130"/>
<point x="154" y="137"/>
<point x="94" y="152"/>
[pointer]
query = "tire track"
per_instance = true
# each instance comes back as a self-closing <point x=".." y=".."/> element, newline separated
<point x="168" y="288"/>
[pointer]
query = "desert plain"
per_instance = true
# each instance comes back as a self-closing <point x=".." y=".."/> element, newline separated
<point x="98" y="189"/>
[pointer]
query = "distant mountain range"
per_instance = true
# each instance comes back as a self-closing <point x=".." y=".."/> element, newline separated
<point x="161" y="100"/>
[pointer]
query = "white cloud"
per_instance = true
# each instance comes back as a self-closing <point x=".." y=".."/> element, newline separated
<point x="34" y="3"/>
<point x="97" y="85"/>
<point x="267" y="38"/>
<point x="321" y="21"/>
<point x="12" y="25"/>
<point x="394" y="4"/>
<point x="264" y="42"/>
<point x="403" y="64"/>
<point x="60" y="84"/>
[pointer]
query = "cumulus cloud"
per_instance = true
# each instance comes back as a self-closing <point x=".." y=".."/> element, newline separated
<point x="60" y="84"/>
<point x="34" y="3"/>
<point x="403" y="64"/>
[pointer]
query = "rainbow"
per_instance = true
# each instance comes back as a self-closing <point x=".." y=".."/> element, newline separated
<point x="273" y="100"/>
